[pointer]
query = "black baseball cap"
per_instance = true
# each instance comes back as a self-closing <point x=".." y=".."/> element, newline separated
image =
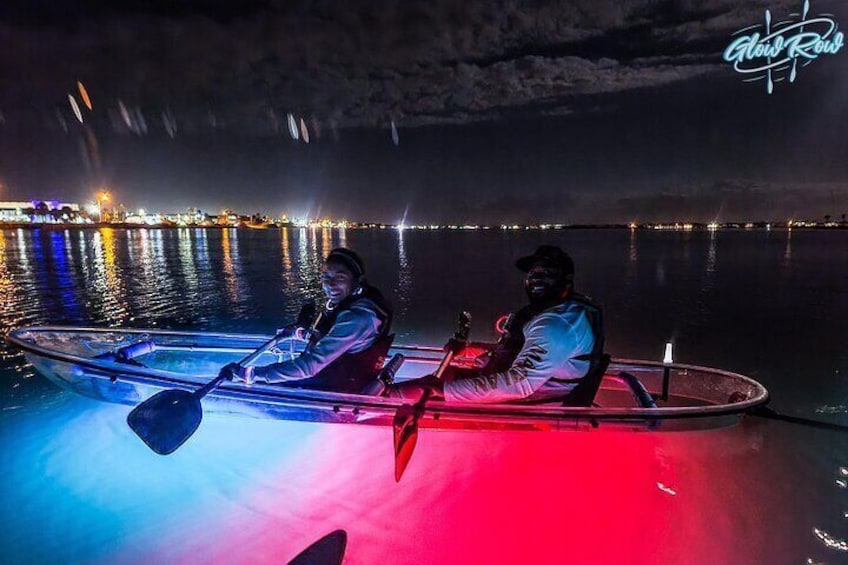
<point x="550" y="256"/>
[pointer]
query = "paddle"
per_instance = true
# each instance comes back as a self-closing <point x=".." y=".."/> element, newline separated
<point x="168" y="418"/>
<point x="405" y="422"/>
<point x="328" y="550"/>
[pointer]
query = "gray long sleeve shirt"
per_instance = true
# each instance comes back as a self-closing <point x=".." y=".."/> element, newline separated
<point x="552" y="340"/>
<point x="354" y="330"/>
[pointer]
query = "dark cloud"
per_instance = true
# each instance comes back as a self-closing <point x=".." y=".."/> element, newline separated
<point x="237" y="65"/>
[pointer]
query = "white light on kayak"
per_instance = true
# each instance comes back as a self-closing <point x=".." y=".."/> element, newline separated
<point x="667" y="359"/>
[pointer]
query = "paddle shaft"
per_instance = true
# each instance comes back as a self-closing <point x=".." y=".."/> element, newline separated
<point x="213" y="384"/>
<point x="247" y="361"/>
<point x="462" y="335"/>
<point x="428" y="392"/>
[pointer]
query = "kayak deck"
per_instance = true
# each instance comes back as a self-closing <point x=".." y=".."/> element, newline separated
<point x="82" y="360"/>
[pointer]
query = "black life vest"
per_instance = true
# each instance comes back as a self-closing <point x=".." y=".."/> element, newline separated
<point x="351" y="371"/>
<point x="505" y="352"/>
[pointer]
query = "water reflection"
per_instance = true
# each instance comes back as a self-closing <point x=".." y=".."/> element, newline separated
<point x="8" y="310"/>
<point x="229" y="249"/>
<point x="209" y="289"/>
<point x="326" y="242"/>
<point x="708" y="282"/>
<point x="285" y="246"/>
<point x="403" y="290"/>
<point x="235" y="285"/>
<point x="632" y="259"/>
<point x="189" y="268"/>
<point x="21" y="239"/>
<point x="145" y="260"/>
<point x="146" y="267"/>
<point x="107" y="280"/>
<point x="289" y="277"/>
<point x="41" y="267"/>
<point x="309" y="264"/>
<point x="64" y="273"/>
<point x="711" y="254"/>
<point x="787" y="251"/>
<point x="25" y="280"/>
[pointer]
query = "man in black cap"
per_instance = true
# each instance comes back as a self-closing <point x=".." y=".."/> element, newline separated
<point x="348" y="344"/>
<point x="548" y="346"/>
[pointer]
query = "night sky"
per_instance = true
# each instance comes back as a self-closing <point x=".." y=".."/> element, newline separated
<point x="573" y="112"/>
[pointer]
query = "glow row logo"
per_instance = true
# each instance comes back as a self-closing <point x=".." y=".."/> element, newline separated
<point x="774" y="51"/>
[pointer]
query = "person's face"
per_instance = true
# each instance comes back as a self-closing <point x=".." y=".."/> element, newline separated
<point x="544" y="282"/>
<point x="337" y="282"/>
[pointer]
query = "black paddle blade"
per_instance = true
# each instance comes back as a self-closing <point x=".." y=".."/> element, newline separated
<point x="328" y="550"/>
<point x="405" y="428"/>
<point x="166" y="420"/>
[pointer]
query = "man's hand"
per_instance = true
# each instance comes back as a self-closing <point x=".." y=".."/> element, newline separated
<point x="237" y="373"/>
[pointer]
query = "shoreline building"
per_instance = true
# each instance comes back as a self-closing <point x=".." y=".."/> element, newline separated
<point x="41" y="212"/>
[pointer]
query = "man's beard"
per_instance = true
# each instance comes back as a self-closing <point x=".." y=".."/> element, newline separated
<point x="551" y="295"/>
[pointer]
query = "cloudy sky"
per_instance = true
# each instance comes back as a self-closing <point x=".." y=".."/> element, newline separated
<point x="584" y="111"/>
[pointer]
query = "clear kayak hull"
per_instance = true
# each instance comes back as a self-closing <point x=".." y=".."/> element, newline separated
<point x="93" y="362"/>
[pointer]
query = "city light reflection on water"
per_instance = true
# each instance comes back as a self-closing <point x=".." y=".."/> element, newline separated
<point x="85" y="489"/>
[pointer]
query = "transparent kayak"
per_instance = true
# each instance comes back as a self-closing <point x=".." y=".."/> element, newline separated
<point x="128" y="366"/>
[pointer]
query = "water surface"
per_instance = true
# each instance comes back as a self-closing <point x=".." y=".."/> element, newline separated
<point x="773" y="305"/>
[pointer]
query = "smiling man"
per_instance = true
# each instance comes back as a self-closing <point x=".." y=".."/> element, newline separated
<point x="349" y="343"/>
<point x="548" y="349"/>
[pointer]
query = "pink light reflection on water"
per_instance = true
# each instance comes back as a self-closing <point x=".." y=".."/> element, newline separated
<point x="494" y="498"/>
<point x="254" y="491"/>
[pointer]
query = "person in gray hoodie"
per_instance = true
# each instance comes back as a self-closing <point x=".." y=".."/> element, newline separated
<point x="348" y="344"/>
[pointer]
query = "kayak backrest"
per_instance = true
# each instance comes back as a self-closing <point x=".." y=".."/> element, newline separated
<point x="584" y="393"/>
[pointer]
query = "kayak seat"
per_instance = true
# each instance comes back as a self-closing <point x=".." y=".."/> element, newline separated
<point x="385" y="377"/>
<point x="584" y="393"/>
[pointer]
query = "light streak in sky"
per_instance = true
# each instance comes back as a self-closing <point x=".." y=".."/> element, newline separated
<point x="84" y="95"/>
<point x="293" y="128"/>
<point x="75" y="107"/>
<point x="303" y="131"/>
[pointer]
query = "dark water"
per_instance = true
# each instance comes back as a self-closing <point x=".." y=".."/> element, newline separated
<point x="772" y="305"/>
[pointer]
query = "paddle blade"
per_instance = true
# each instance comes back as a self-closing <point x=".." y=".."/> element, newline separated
<point x="405" y="428"/>
<point x="166" y="420"/>
<point x="328" y="550"/>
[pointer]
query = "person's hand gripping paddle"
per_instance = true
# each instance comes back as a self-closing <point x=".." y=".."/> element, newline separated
<point x="405" y="422"/>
